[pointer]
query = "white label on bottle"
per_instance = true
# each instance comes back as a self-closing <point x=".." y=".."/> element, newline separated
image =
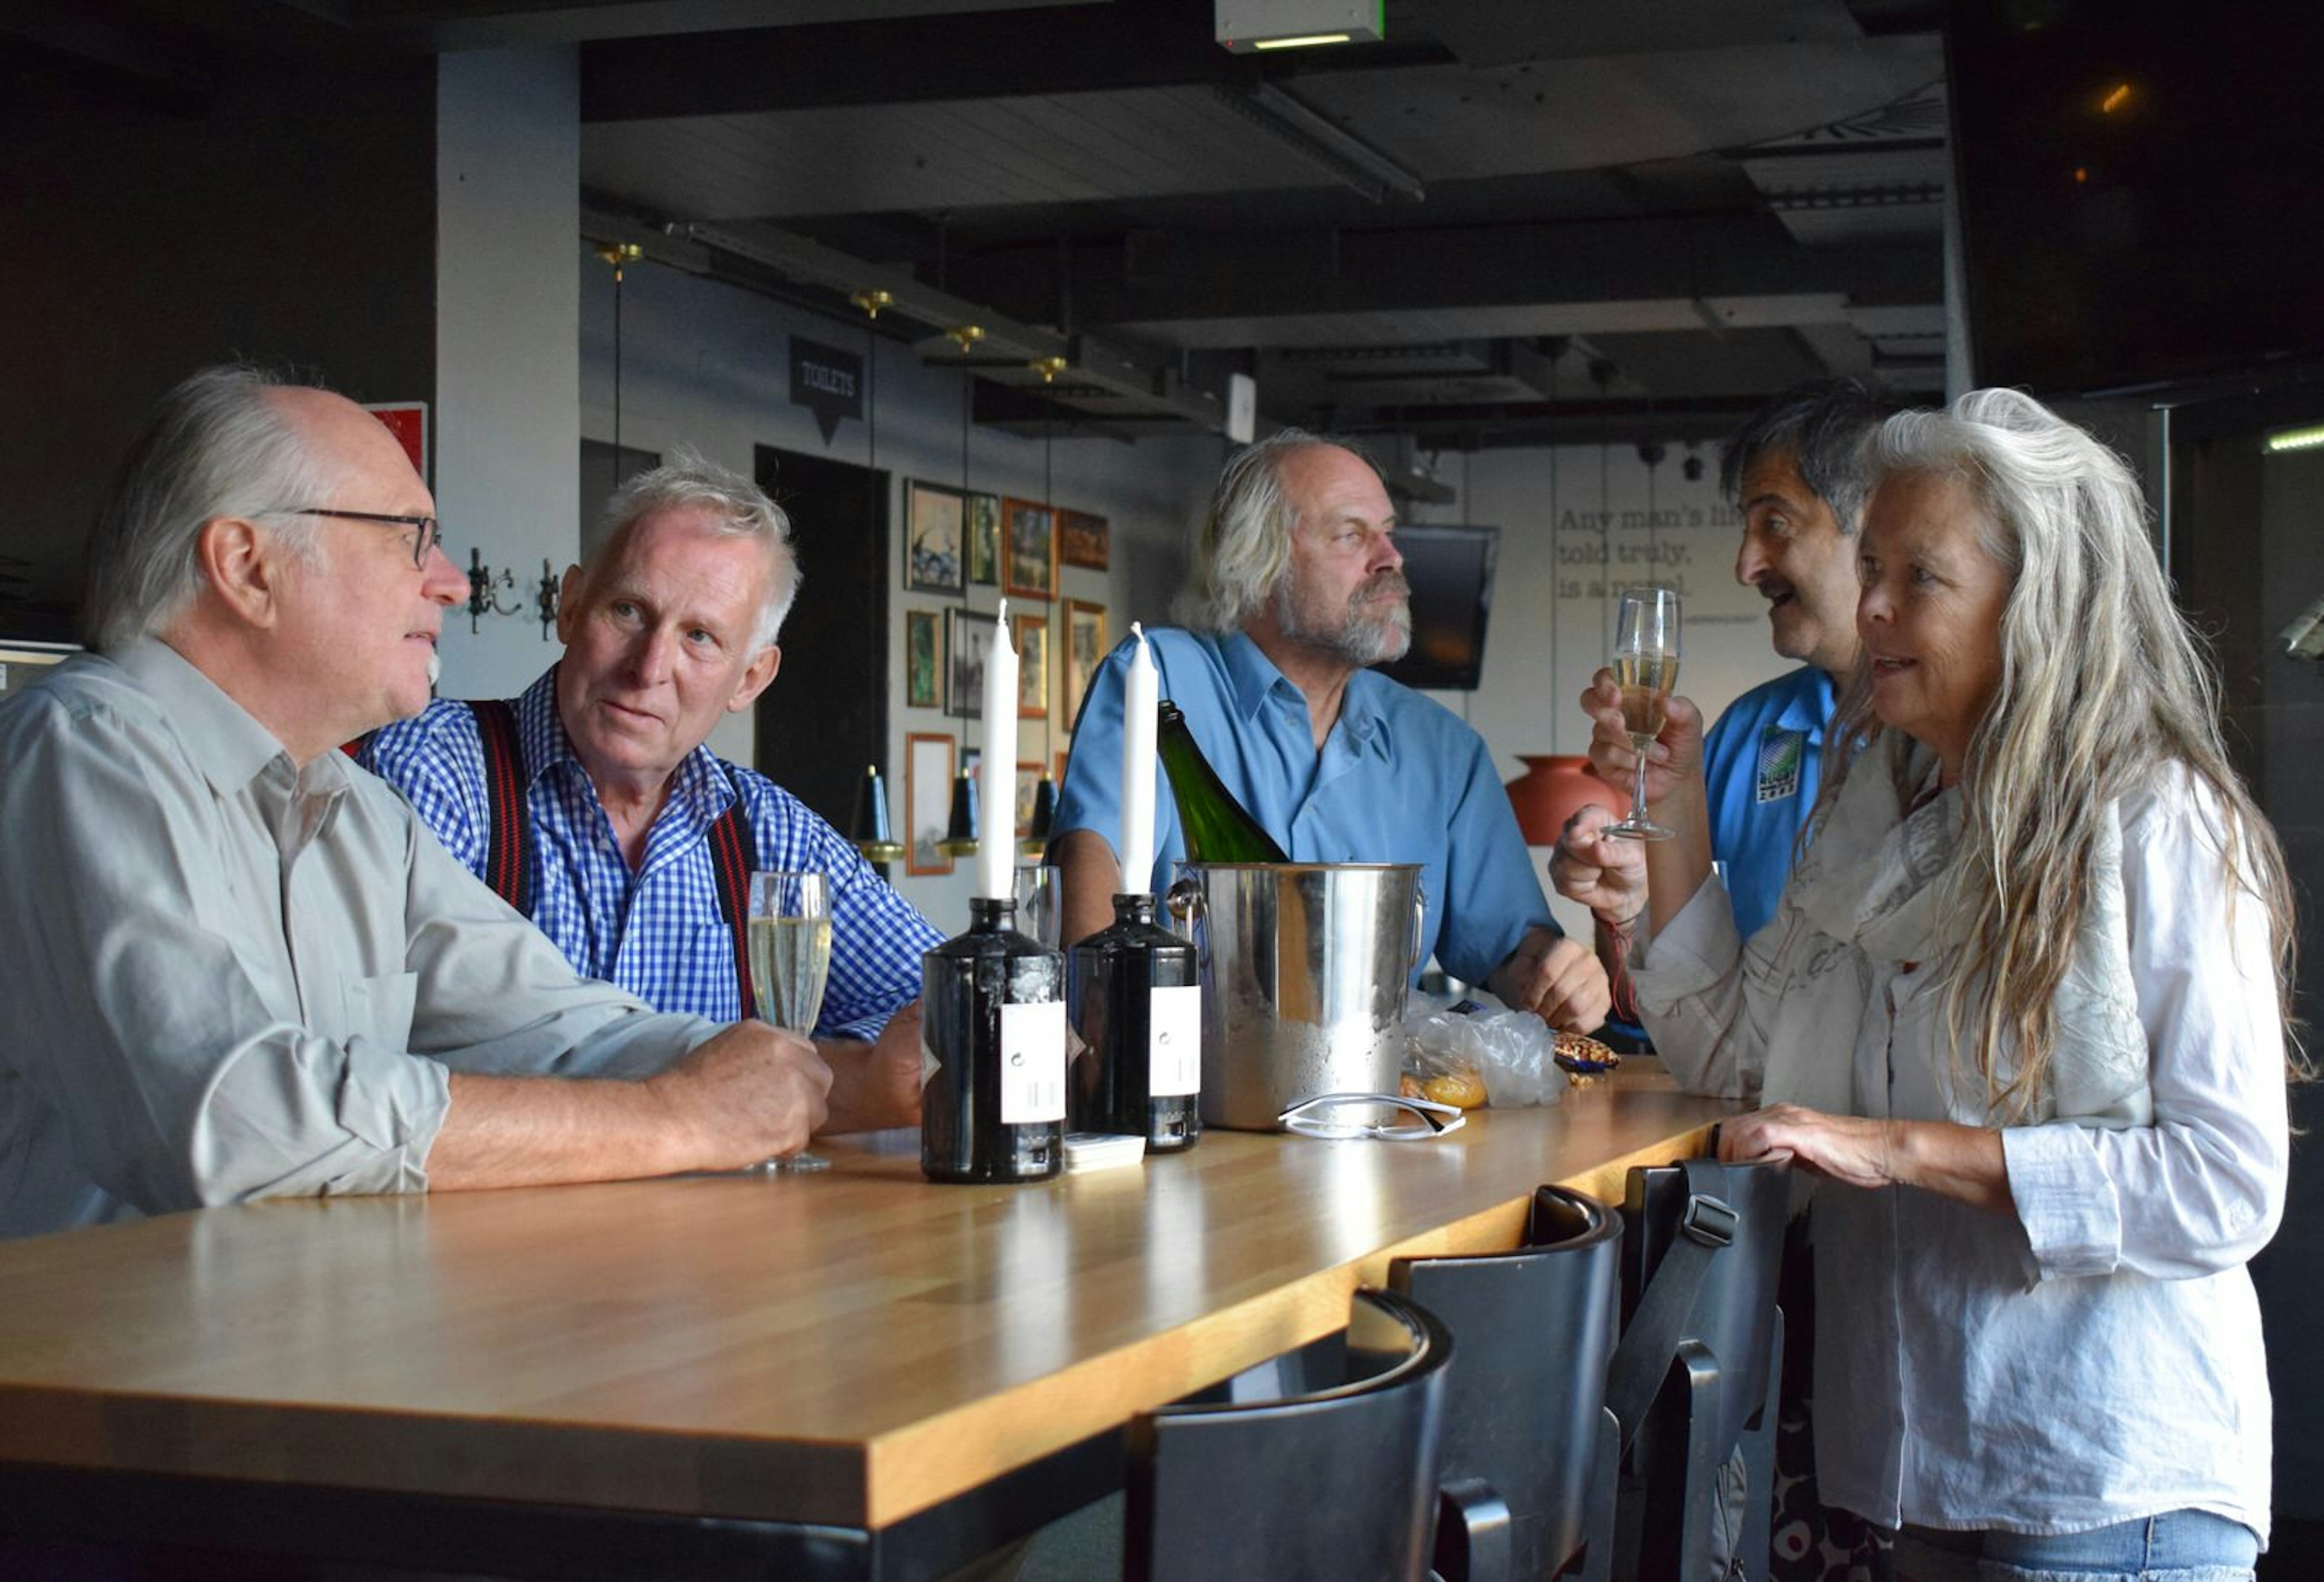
<point x="1033" y="1062"/>
<point x="1175" y="1052"/>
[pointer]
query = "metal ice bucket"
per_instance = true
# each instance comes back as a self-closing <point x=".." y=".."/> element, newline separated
<point x="1305" y="966"/>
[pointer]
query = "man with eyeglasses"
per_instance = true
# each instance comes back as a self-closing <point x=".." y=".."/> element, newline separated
<point x="241" y="966"/>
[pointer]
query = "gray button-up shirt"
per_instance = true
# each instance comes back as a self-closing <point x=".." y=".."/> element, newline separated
<point x="230" y="978"/>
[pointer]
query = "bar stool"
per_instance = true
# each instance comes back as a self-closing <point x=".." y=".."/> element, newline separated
<point x="1335" y="1483"/>
<point x="1527" y="1439"/>
<point x="1695" y="1377"/>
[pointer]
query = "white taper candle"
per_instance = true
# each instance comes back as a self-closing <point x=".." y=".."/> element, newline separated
<point x="996" y="789"/>
<point x="1141" y="690"/>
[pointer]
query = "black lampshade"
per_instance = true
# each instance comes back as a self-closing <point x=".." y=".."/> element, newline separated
<point x="960" y="830"/>
<point x="873" y="835"/>
<point x="1044" y="815"/>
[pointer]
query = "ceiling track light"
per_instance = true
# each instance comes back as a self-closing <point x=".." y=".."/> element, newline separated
<point x="1245" y="26"/>
<point x="1348" y="159"/>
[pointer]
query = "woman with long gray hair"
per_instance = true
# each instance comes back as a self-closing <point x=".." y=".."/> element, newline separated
<point x="2022" y="1016"/>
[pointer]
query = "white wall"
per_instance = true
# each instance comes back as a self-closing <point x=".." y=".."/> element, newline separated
<point x="707" y="364"/>
<point x="1565" y="516"/>
<point x="508" y="173"/>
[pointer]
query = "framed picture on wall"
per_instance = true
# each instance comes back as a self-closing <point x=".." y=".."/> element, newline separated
<point x="1031" y="569"/>
<point x="1083" y="540"/>
<point x="933" y="522"/>
<point x="1031" y="635"/>
<point x="968" y="637"/>
<point x="927" y="800"/>
<point x="922" y="660"/>
<point x="985" y="540"/>
<point x="1063" y="754"/>
<point x="1084" y="647"/>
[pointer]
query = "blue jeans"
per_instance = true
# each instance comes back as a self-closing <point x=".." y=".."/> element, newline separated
<point x="2181" y="1546"/>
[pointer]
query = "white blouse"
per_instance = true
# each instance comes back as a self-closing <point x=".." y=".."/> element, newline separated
<point x="2097" y="1358"/>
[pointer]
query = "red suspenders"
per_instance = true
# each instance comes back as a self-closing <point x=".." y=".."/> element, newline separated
<point x="509" y="860"/>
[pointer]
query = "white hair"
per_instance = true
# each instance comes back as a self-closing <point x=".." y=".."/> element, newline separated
<point x="738" y="507"/>
<point x="216" y="446"/>
<point x="1244" y="546"/>
<point x="2103" y="683"/>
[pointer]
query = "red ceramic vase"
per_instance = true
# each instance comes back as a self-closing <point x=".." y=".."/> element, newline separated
<point x="1553" y="787"/>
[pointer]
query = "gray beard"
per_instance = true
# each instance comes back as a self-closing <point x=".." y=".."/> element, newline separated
<point x="1357" y="637"/>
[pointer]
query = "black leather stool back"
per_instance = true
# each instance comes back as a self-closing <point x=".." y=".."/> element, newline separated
<point x="1524" y="1408"/>
<point x="1336" y="1485"/>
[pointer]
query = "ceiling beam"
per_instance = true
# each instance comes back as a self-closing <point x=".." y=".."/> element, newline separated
<point x="477" y="24"/>
<point x="1052" y="49"/>
<point x="1002" y="348"/>
<point x="1193" y="291"/>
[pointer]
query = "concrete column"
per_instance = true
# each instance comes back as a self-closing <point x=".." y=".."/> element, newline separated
<point x="507" y="417"/>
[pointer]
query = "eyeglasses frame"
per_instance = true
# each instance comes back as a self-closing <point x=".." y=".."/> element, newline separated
<point x="431" y="530"/>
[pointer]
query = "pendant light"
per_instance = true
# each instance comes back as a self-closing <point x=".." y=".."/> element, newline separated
<point x="871" y="831"/>
<point x="1035" y="840"/>
<point x="960" y="829"/>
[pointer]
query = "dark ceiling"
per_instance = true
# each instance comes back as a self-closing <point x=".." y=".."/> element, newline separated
<point x="1511" y="221"/>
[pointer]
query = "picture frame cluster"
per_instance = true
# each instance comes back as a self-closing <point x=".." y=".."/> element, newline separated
<point x="958" y="541"/>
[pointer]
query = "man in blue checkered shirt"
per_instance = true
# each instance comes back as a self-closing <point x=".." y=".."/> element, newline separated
<point x="669" y="625"/>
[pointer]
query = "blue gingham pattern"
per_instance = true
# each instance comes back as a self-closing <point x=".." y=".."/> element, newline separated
<point x="657" y="932"/>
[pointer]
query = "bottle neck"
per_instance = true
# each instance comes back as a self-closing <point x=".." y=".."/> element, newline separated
<point x="988" y="915"/>
<point x="1134" y="909"/>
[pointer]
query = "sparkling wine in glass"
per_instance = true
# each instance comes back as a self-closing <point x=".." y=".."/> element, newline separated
<point x="790" y="959"/>
<point x="1646" y="666"/>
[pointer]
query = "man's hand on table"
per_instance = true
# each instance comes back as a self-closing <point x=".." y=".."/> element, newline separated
<point x="876" y="1085"/>
<point x="746" y="1095"/>
<point x="1557" y="978"/>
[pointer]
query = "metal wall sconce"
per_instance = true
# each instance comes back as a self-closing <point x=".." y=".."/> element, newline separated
<point x="485" y="589"/>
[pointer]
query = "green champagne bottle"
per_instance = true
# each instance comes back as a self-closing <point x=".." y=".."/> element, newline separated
<point x="1216" y="827"/>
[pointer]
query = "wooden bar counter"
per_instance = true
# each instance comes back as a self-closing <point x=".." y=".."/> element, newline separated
<point x="843" y="1350"/>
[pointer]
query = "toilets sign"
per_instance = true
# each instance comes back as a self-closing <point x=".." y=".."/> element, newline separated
<point x="826" y="381"/>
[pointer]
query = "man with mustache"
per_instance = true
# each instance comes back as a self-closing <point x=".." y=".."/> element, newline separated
<point x="241" y="968"/>
<point x="1797" y="473"/>
<point x="1296" y="590"/>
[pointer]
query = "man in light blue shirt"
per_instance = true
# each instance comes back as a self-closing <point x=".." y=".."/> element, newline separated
<point x="1298" y="588"/>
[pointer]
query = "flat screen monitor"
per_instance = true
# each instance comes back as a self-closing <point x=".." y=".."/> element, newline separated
<point x="2136" y="180"/>
<point x="1451" y="570"/>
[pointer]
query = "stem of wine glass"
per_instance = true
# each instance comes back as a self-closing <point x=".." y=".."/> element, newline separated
<point x="1638" y="795"/>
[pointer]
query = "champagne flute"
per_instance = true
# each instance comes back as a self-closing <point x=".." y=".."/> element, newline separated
<point x="790" y="958"/>
<point x="1036" y="902"/>
<point x="1646" y="665"/>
